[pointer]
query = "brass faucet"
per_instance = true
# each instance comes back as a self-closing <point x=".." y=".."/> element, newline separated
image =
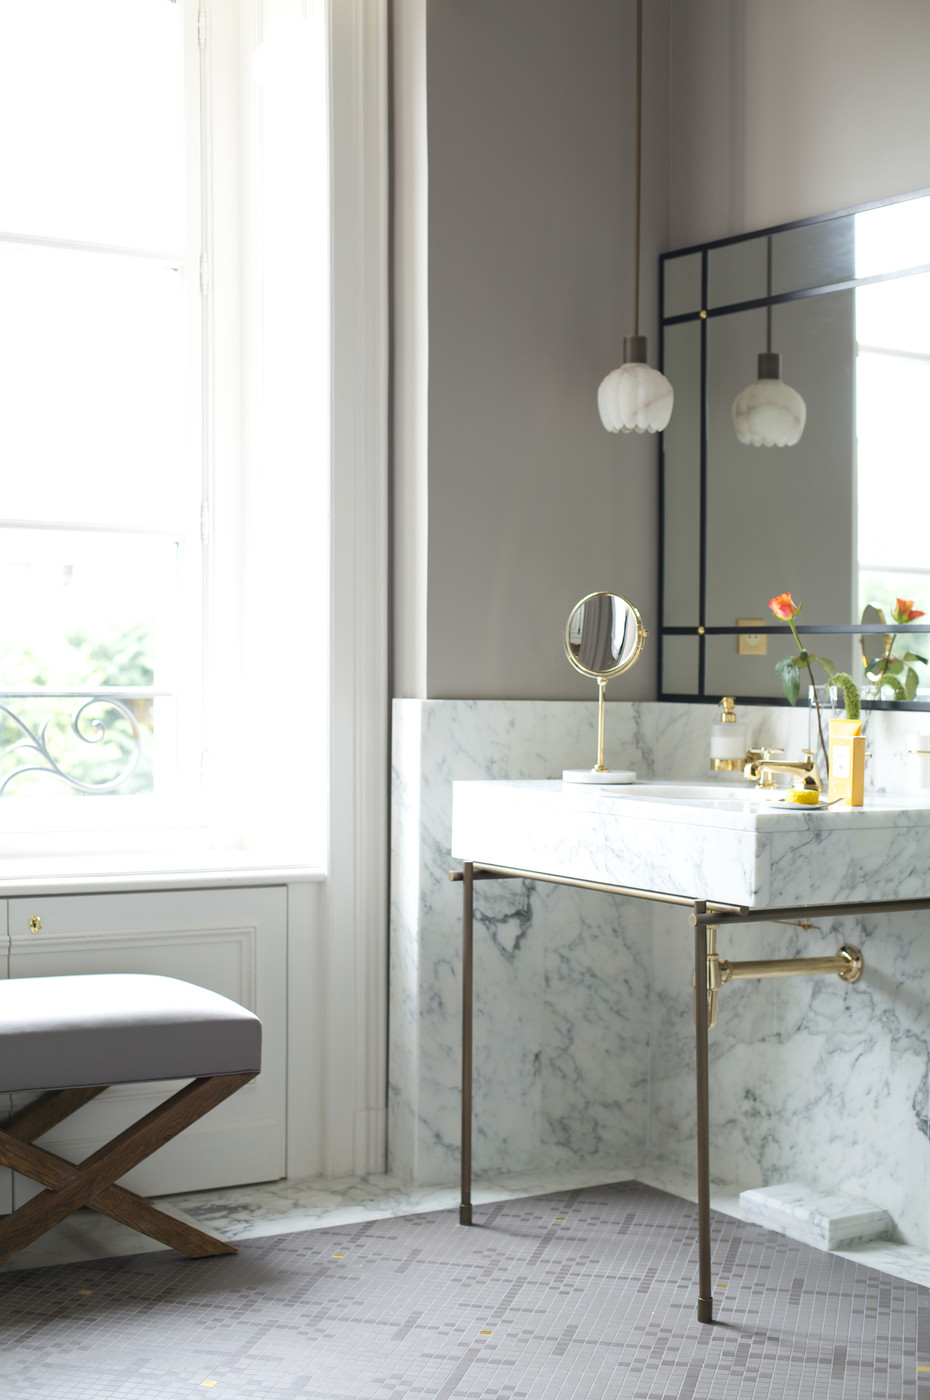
<point x="760" y="767"/>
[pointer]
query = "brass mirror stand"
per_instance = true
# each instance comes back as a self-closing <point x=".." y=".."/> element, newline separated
<point x="601" y="687"/>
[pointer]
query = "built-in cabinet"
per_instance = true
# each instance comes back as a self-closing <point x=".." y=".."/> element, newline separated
<point x="233" y="941"/>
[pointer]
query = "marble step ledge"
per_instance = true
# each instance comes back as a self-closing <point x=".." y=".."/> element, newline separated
<point x="826" y="1219"/>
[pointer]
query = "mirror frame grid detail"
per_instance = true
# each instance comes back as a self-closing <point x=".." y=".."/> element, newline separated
<point x="707" y="690"/>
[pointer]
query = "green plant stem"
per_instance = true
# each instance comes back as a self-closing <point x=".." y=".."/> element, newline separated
<point x="810" y="671"/>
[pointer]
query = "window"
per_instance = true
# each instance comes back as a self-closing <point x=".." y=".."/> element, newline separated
<point x="164" y="355"/>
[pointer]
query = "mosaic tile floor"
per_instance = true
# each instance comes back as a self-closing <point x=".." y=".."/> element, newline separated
<point x="284" y="1207"/>
<point x="579" y="1295"/>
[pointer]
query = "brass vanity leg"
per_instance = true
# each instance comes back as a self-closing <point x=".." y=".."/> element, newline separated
<point x="468" y="891"/>
<point x="705" y="1307"/>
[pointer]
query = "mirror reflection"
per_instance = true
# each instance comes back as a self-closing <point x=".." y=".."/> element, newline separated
<point x="604" y="635"/>
<point x="874" y="648"/>
<point x="839" y="519"/>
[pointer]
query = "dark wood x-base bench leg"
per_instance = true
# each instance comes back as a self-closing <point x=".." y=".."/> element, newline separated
<point x="91" y="1182"/>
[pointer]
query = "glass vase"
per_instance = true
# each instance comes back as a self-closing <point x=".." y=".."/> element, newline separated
<point x="824" y="704"/>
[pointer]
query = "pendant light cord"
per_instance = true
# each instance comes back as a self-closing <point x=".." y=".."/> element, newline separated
<point x="768" y="293"/>
<point x="639" y="160"/>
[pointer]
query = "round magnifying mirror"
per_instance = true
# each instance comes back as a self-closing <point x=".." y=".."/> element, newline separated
<point x="604" y="636"/>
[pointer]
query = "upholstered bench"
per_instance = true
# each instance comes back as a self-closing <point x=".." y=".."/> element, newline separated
<point x="72" y="1037"/>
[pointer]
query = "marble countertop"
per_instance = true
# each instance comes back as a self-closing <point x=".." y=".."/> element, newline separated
<point x="733" y="849"/>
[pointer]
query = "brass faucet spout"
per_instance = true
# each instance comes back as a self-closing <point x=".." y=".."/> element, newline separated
<point x="760" y="767"/>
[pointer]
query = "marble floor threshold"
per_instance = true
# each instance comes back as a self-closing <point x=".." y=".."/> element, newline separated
<point x="286" y="1207"/>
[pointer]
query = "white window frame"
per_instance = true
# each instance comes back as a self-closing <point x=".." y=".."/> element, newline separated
<point x="354" y="906"/>
<point x="357" y="612"/>
<point x="45" y="831"/>
<point x="337" y="912"/>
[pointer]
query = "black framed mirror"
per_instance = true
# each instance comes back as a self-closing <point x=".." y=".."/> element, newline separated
<point x="839" y="519"/>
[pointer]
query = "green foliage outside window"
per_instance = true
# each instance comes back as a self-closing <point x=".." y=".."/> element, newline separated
<point x="118" y="655"/>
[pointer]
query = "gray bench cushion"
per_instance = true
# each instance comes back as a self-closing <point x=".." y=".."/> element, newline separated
<point x="119" y="1028"/>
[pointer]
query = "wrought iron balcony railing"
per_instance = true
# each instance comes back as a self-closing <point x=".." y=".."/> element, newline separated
<point x="112" y="717"/>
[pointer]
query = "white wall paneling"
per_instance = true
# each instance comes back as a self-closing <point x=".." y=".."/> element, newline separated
<point x="306" y="1032"/>
<point x="234" y="942"/>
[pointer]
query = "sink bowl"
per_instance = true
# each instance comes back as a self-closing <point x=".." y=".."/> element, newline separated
<point x="694" y="792"/>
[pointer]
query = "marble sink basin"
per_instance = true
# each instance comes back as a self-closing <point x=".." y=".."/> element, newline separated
<point x="694" y="792"/>
<point x="719" y="842"/>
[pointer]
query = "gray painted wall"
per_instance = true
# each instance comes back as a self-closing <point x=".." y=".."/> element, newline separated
<point x="781" y="109"/>
<point x="531" y="504"/>
<point x="758" y="111"/>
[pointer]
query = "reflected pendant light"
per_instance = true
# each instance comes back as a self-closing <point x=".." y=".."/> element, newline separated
<point x="769" y="413"/>
<point x="636" y="398"/>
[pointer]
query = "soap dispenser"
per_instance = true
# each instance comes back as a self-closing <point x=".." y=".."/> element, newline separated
<point x="728" y="739"/>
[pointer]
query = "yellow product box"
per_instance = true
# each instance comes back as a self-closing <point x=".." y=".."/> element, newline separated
<point x="847" y="762"/>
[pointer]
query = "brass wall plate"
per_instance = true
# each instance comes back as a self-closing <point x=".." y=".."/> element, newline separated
<point x="751" y="643"/>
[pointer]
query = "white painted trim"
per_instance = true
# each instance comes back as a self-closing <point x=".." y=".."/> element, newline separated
<point x="411" y="346"/>
<point x="206" y="879"/>
<point x="305" y="1033"/>
<point x="354" y="899"/>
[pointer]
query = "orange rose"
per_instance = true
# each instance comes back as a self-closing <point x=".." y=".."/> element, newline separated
<point x="905" y="611"/>
<point x="784" y="607"/>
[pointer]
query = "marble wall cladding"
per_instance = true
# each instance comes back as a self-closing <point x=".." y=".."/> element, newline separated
<point x="739" y="1057"/>
<point x="584" y="1033"/>
<point x="812" y="1079"/>
<point x="889" y="768"/>
<point x="854" y="1066"/>
<point x="595" y="1062"/>
<point x="550" y="992"/>
<point x="682" y="744"/>
<point x="682" y="740"/>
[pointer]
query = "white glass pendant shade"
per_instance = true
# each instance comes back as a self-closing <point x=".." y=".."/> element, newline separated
<point x="769" y="413"/>
<point x="635" y="398"/>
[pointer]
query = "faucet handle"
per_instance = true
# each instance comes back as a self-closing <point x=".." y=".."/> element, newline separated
<point x="812" y="778"/>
